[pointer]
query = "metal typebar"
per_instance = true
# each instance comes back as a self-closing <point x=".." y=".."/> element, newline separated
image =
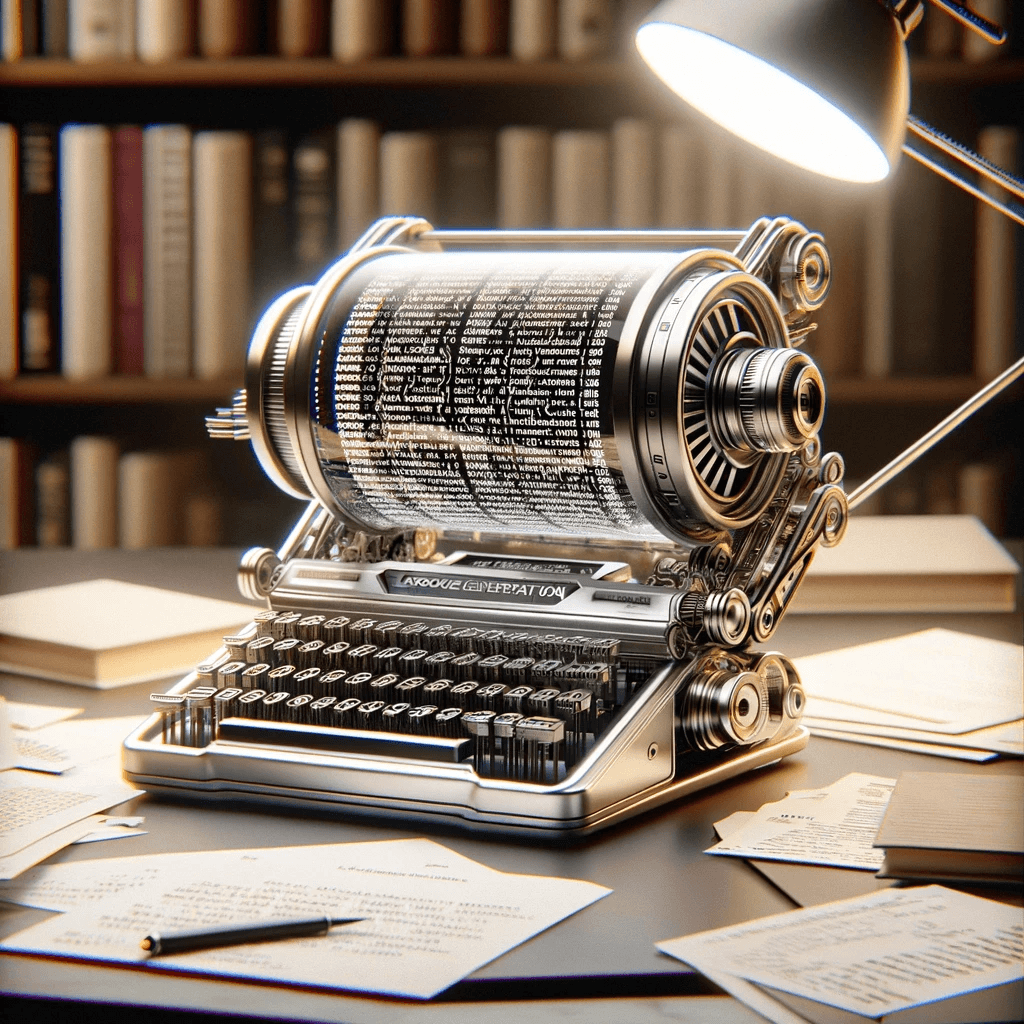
<point x="991" y="31"/>
<point x="935" y="435"/>
<point x="946" y="152"/>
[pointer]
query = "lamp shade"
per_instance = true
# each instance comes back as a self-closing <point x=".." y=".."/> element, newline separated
<point x="824" y="84"/>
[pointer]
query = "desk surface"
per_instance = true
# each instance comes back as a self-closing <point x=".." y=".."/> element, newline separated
<point x="598" y="964"/>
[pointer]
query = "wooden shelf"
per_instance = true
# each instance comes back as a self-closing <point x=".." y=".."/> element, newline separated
<point x="48" y="389"/>
<point x="55" y="390"/>
<point x="451" y="72"/>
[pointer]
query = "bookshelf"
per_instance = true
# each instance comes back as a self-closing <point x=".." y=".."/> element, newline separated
<point x="255" y="92"/>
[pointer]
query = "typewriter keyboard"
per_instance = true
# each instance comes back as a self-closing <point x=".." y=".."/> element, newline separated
<point x="516" y="705"/>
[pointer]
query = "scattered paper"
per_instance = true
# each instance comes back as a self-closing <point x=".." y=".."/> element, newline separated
<point x="35" y="756"/>
<point x="1007" y="738"/>
<point x="8" y="748"/>
<point x="834" y="826"/>
<point x="913" y="746"/>
<point x="35" y="716"/>
<point x="937" y="681"/>
<point x="105" y="827"/>
<point x="14" y="864"/>
<point x="872" y="955"/>
<point x="433" y="916"/>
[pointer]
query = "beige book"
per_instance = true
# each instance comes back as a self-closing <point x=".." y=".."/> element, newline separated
<point x="16" y="500"/>
<point x="532" y="29"/>
<point x="167" y="250"/>
<point x="360" y="29"/>
<point x="428" y="27"/>
<point x="301" y="27"/>
<point x="94" y="492"/>
<point x="86" y="192"/>
<point x="523" y="177"/>
<point x="52" y="513"/>
<point x="995" y="264"/>
<point x="357" y="168"/>
<point x="222" y="29"/>
<point x="8" y="251"/>
<point x="483" y="27"/>
<point x="11" y="30"/>
<point x="580" y="179"/>
<point x="943" y="35"/>
<point x="105" y="633"/>
<point x="878" y="280"/>
<point x="164" y="30"/>
<point x="634" y="173"/>
<point x="101" y="30"/>
<point x="222" y="229"/>
<point x="203" y="520"/>
<point x="148" y="501"/>
<point x="981" y="492"/>
<point x="977" y="48"/>
<point x="585" y="29"/>
<point x="680" y="178"/>
<point x="409" y="164"/>
<point x="910" y="564"/>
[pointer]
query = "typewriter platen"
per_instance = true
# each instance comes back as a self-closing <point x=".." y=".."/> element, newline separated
<point x="557" y="499"/>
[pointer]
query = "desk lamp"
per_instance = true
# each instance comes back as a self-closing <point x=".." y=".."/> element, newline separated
<point x="825" y="85"/>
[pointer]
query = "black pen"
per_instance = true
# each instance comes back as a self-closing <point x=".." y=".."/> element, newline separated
<point x="235" y="934"/>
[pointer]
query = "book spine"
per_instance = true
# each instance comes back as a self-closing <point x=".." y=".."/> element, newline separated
<point x="203" y="519"/>
<point x="680" y="178"/>
<point x="31" y="34"/>
<point x="86" y="215"/>
<point x="409" y="175"/>
<point x="53" y="519"/>
<point x="483" y="27"/>
<point x="580" y="173"/>
<point x="55" y="28"/>
<point x="634" y="170"/>
<point x="428" y="27"/>
<point x="17" y="512"/>
<point x="221" y="28"/>
<point x="523" y="177"/>
<point x="11" y="30"/>
<point x="467" y="178"/>
<point x="981" y="493"/>
<point x="720" y="175"/>
<point x="358" y="168"/>
<point x="995" y="270"/>
<point x="532" y="29"/>
<point x="165" y="30"/>
<point x="271" y="226"/>
<point x="93" y="492"/>
<point x="8" y="252"/>
<point x="878" y="294"/>
<point x="147" y="500"/>
<point x="301" y="27"/>
<point x="943" y="35"/>
<point x="128" y="250"/>
<point x="313" y="214"/>
<point x="222" y="229"/>
<point x="167" y="250"/>
<point x="585" y="29"/>
<point x="101" y="29"/>
<point x="39" y="250"/>
<point x="360" y="29"/>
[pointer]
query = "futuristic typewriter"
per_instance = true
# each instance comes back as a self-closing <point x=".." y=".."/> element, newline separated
<point x="562" y="484"/>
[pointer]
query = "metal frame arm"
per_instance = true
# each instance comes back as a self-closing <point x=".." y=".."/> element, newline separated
<point x="942" y="154"/>
<point x="992" y="32"/>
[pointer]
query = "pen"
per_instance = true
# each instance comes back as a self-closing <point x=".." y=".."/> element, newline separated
<point x="159" y="943"/>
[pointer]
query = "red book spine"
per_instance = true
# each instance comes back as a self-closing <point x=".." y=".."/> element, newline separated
<point x="128" y="249"/>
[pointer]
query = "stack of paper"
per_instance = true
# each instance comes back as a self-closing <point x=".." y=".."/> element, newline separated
<point x="430" y="915"/>
<point x="60" y="776"/>
<point x="935" y="692"/>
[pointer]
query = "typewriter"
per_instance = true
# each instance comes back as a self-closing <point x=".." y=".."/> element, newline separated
<point x="561" y="488"/>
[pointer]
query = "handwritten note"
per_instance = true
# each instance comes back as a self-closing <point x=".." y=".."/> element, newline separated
<point x="834" y="826"/>
<point x="432" y="916"/>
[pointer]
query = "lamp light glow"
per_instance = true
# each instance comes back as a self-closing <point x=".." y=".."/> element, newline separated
<point x="757" y="101"/>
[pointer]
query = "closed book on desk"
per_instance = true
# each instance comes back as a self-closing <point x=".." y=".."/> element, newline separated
<point x="910" y="564"/>
<point x="941" y="826"/>
<point x="106" y="633"/>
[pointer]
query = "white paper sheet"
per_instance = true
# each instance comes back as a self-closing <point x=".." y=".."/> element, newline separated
<point x="35" y="716"/>
<point x="871" y="955"/>
<point x="1007" y="738"/>
<point x="913" y="746"/>
<point x="433" y="916"/>
<point x="937" y="680"/>
<point x="833" y="826"/>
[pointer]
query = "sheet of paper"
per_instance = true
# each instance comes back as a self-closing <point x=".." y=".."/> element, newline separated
<point x="35" y="716"/>
<point x="105" y="827"/>
<point x="914" y="746"/>
<point x="432" y="916"/>
<point x="936" y="680"/>
<point x="834" y="826"/>
<point x="36" y="756"/>
<point x="1007" y="738"/>
<point x="15" y="864"/>
<point x="8" y="748"/>
<point x="871" y="955"/>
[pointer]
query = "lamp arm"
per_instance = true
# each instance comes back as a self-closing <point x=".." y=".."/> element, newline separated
<point x="932" y="148"/>
<point x="935" y="435"/>
<point x="992" y="32"/>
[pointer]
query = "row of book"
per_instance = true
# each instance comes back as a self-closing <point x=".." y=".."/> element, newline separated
<point x="348" y="30"/>
<point x="92" y="495"/>
<point x="152" y="250"/>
